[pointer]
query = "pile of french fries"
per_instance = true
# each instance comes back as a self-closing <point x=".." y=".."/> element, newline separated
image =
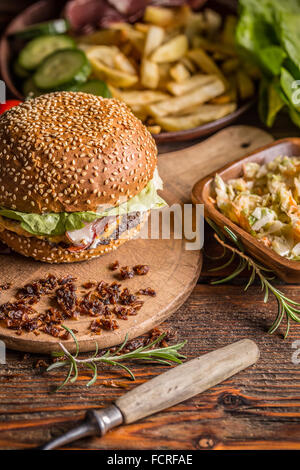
<point x="176" y="70"/>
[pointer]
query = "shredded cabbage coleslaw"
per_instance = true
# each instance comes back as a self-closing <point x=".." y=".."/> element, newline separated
<point x="265" y="201"/>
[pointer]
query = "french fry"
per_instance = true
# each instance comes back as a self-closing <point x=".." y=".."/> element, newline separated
<point x="154" y="129"/>
<point x="142" y="97"/>
<point x="122" y="63"/>
<point x="176" y="68"/>
<point x="154" y="38"/>
<point x="196" y="96"/>
<point x="184" y="14"/>
<point x="129" y="33"/>
<point x="222" y="99"/>
<point x="149" y="74"/>
<point x="179" y="72"/>
<point x="205" y="63"/>
<point x="245" y="85"/>
<point x="115" y="92"/>
<point x="140" y="112"/>
<point x="205" y="113"/>
<point x="213" y="21"/>
<point x="104" y="37"/>
<point x="213" y="46"/>
<point x="105" y="54"/>
<point x="195" y="25"/>
<point x="228" y="34"/>
<point x="142" y="27"/>
<point x="171" y="51"/>
<point x="189" y="84"/>
<point x="164" y="71"/>
<point x="159" y="16"/>
<point x="232" y="90"/>
<point x="188" y="64"/>
<point x="126" y="48"/>
<point x="112" y="76"/>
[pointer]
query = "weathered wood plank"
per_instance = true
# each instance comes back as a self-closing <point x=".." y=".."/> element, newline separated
<point x="258" y="408"/>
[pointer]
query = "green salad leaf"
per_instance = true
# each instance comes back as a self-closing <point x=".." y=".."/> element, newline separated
<point x="53" y="224"/>
<point x="267" y="34"/>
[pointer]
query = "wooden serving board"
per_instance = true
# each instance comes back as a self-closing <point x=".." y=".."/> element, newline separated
<point x="173" y="269"/>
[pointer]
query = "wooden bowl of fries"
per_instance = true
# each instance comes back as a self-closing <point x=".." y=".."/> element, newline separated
<point x="177" y="69"/>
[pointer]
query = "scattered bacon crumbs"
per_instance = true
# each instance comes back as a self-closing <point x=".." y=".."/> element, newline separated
<point x="5" y="286"/>
<point x="103" y="324"/>
<point x="66" y="298"/>
<point x="147" y="291"/>
<point x="141" y="269"/>
<point x="40" y="363"/>
<point x="106" y="302"/>
<point x="126" y="272"/>
<point x="89" y="285"/>
<point x="66" y="335"/>
<point x="67" y="279"/>
<point x="114" y="266"/>
<point x="146" y="339"/>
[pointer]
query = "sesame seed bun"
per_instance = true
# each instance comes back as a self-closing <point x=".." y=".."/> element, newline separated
<point x="42" y="250"/>
<point x="71" y="152"/>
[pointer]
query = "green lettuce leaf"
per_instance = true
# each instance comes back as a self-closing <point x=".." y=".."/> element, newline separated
<point x="286" y="82"/>
<point x="267" y="34"/>
<point x="53" y="224"/>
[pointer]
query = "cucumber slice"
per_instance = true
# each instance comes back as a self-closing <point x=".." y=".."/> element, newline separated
<point x="63" y="68"/>
<point x="59" y="26"/>
<point x="95" y="87"/>
<point x="30" y="90"/>
<point x="38" y="49"/>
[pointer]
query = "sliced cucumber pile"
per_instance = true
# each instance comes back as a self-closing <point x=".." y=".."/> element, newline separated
<point x="94" y="87"/>
<point x="59" y="26"/>
<point x="50" y="61"/>
<point x="63" y="68"/>
<point x="39" y="48"/>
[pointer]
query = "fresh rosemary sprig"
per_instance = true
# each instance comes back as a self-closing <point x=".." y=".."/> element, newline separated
<point x="165" y="355"/>
<point x="286" y="307"/>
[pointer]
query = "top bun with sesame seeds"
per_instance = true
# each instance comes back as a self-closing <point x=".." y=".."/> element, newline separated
<point x="72" y="152"/>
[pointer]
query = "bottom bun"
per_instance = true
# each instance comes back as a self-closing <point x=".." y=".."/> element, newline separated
<point x="42" y="250"/>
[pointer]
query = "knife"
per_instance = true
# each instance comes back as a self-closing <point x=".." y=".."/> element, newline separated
<point x="165" y="390"/>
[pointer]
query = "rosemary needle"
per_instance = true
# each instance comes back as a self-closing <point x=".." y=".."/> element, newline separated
<point x="287" y="308"/>
<point x="165" y="355"/>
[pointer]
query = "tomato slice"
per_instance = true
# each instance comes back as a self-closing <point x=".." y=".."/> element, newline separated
<point x="9" y="104"/>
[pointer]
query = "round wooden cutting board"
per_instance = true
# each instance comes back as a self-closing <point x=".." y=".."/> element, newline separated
<point x="173" y="269"/>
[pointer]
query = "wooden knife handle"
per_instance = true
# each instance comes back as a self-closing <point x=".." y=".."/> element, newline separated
<point x="185" y="381"/>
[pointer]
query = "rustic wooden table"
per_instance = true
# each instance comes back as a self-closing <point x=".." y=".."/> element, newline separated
<point x="257" y="409"/>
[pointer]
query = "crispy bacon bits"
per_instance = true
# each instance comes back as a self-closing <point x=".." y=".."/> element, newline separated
<point x="5" y="286"/>
<point x="147" y="291"/>
<point x="114" y="266"/>
<point x="141" y="269"/>
<point x="89" y="284"/>
<point x="106" y="302"/>
<point x="40" y="364"/>
<point x="31" y="293"/>
<point x="126" y="272"/>
<point x="66" y="298"/>
<point x="103" y="324"/>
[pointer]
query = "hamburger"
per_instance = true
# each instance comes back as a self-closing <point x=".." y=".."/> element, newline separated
<point x="78" y="176"/>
